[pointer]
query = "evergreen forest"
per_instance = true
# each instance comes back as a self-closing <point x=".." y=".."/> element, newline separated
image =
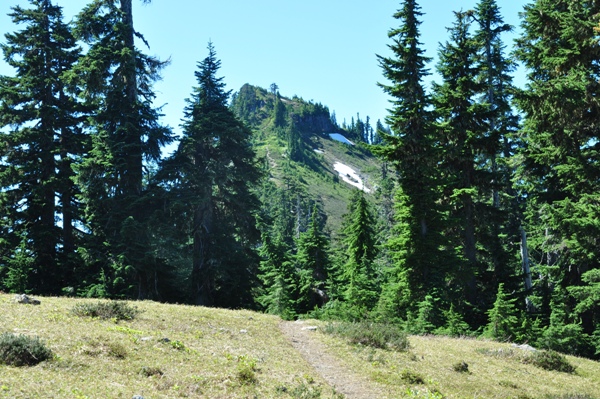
<point x="480" y="215"/>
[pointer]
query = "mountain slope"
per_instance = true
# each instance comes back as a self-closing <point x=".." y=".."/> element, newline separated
<point x="300" y="138"/>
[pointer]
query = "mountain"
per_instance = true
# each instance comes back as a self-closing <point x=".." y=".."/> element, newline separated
<point x="300" y="138"/>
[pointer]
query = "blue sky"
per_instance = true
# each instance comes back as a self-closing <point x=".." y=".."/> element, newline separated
<point x="321" y="50"/>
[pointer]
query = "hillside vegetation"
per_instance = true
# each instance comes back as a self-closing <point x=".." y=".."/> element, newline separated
<point x="293" y="137"/>
<point x="171" y="351"/>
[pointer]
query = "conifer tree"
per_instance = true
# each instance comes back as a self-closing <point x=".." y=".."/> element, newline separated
<point x="359" y="240"/>
<point x="474" y="121"/>
<point x="502" y="219"/>
<point x="313" y="264"/>
<point x="419" y="264"/>
<point x="211" y="175"/>
<point x="126" y="136"/>
<point x="503" y="317"/>
<point x="40" y="121"/>
<point x="278" y="276"/>
<point x="560" y="156"/>
<point x="461" y="133"/>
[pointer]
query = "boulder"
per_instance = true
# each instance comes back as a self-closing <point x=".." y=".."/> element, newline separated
<point x="26" y="300"/>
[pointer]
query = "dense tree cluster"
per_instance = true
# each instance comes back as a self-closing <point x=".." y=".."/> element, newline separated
<point x="89" y="206"/>
<point x="484" y="221"/>
<point x="474" y="183"/>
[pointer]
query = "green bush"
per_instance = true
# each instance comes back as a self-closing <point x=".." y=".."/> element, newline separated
<point x="550" y="360"/>
<point x="375" y="335"/>
<point x="412" y="378"/>
<point x="107" y="310"/>
<point x="21" y="350"/>
<point x="246" y="372"/>
<point x="461" y="367"/>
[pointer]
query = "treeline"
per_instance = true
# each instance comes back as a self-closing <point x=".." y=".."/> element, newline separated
<point x="485" y="220"/>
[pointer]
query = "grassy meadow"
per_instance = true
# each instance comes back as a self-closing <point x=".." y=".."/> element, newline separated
<point x="167" y="351"/>
<point x="175" y="351"/>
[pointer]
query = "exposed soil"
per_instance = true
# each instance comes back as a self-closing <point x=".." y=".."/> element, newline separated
<point x="344" y="380"/>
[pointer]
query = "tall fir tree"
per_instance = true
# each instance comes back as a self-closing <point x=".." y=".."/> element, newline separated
<point x="126" y="136"/>
<point x="40" y="122"/>
<point x="211" y="175"/>
<point x="419" y="261"/>
<point x="460" y="132"/>
<point x="360" y="243"/>
<point x="560" y="158"/>
<point x="505" y="215"/>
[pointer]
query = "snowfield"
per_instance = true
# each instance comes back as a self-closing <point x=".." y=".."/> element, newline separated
<point x="340" y="138"/>
<point x="350" y="176"/>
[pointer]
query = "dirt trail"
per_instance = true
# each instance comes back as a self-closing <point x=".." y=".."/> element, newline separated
<point x="339" y="376"/>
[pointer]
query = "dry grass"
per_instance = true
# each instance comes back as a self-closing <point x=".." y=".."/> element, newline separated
<point x="495" y="370"/>
<point x="167" y="351"/>
<point x="172" y="351"/>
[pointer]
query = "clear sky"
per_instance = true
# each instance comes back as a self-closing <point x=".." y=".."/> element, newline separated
<point x="321" y="50"/>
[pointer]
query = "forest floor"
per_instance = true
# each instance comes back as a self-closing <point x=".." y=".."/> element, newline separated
<point x="341" y="378"/>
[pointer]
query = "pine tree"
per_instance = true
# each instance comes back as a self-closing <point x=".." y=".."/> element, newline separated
<point x="126" y="136"/>
<point x="42" y="117"/>
<point x="313" y="264"/>
<point x="359" y="242"/>
<point x="418" y="249"/>
<point x="502" y="219"/>
<point x="503" y="317"/>
<point x="211" y="175"/>
<point x="278" y="276"/>
<point x="461" y="131"/>
<point x="560" y="156"/>
<point x="279" y="112"/>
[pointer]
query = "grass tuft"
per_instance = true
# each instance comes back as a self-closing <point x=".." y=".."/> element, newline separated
<point x="412" y="378"/>
<point x="21" y="350"/>
<point x="106" y="310"/>
<point x="461" y="367"/>
<point x="376" y="335"/>
<point x="147" y="371"/>
<point x="550" y="360"/>
<point x="246" y="370"/>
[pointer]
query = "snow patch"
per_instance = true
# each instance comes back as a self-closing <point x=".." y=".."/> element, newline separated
<point x="340" y="138"/>
<point x="350" y="176"/>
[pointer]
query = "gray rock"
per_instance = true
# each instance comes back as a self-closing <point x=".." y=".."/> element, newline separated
<point x="26" y="300"/>
<point x="137" y="397"/>
<point x="524" y="347"/>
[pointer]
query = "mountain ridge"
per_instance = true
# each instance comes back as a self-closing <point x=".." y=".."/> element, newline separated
<point x="298" y="135"/>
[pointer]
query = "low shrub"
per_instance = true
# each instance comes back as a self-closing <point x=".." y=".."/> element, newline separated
<point x="147" y="371"/>
<point x="21" y="350"/>
<point x="376" y="335"/>
<point x="460" y="367"/>
<point x="246" y="370"/>
<point x="550" y="360"/>
<point x="508" y="384"/>
<point x="117" y="350"/>
<point x="106" y="310"/>
<point x="410" y="377"/>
